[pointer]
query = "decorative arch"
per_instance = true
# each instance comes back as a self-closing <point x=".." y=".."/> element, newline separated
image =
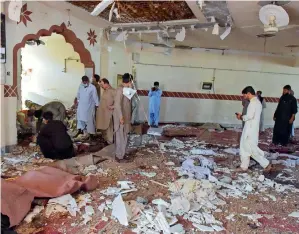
<point x="70" y="37"/>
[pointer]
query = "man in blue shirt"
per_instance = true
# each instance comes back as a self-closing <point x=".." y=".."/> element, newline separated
<point x="154" y="105"/>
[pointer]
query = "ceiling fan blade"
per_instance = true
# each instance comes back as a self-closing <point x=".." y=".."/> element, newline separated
<point x="251" y="26"/>
<point x="101" y="7"/>
<point x="289" y="27"/>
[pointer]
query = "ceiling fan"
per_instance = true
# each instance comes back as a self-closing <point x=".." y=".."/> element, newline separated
<point x="273" y="17"/>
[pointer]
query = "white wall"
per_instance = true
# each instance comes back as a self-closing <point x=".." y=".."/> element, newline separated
<point x="269" y="74"/>
<point x="47" y="81"/>
<point x="42" y="17"/>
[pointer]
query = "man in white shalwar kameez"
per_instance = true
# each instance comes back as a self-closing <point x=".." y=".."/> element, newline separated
<point x="88" y="101"/>
<point x="250" y="134"/>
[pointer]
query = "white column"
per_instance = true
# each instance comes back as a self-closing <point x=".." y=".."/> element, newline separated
<point x="2" y="117"/>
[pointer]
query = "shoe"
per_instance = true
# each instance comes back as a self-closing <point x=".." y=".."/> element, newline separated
<point x="268" y="169"/>
<point x="122" y="160"/>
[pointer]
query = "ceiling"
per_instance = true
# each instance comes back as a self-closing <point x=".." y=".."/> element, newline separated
<point x="142" y="11"/>
<point x="243" y="16"/>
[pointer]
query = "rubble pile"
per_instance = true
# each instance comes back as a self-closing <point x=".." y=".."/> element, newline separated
<point x="193" y="188"/>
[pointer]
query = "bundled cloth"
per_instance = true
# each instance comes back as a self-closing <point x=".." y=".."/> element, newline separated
<point x="17" y="195"/>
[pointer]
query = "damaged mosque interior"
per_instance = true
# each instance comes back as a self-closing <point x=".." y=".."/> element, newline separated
<point x="149" y="117"/>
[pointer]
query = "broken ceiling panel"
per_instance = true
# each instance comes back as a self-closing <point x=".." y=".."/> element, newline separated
<point x="142" y="11"/>
<point x="219" y="10"/>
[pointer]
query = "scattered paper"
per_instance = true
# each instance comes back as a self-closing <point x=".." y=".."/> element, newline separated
<point x="155" y="131"/>
<point x="125" y="184"/>
<point x="160" y="202"/>
<point x="148" y="174"/>
<point x="89" y="212"/>
<point x="119" y="211"/>
<point x="170" y="164"/>
<point x="66" y="201"/>
<point x="294" y="214"/>
<point x="129" y="92"/>
<point x="203" y="228"/>
<point x="203" y="152"/>
<point x="33" y="214"/>
<point x="102" y="207"/>
<point x="177" y="229"/>
<point x="162" y="223"/>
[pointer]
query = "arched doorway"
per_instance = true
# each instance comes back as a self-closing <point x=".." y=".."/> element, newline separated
<point x="70" y="37"/>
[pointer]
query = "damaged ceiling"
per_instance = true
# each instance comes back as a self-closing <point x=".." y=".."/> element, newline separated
<point x="142" y="11"/>
<point x="197" y="19"/>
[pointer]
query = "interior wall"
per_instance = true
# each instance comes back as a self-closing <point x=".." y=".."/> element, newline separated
<point x="47" y="80"/>
<point x="41" y="17"/>
<point x="232" y="74"/>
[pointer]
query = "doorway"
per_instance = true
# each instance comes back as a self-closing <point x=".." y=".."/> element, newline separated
<point x="50" y="70"/>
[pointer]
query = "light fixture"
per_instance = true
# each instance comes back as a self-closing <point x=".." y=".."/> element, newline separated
<point x="226" y="33"/>
<point x="123" y="36"/>
<point x="69" y="21"/>
<point x="215" y="29"/>
<point x="181" y="35"/>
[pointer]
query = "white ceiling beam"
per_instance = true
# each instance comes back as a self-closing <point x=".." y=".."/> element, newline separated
<point x="164" y="23"/>
<point x="196" y="11"/>
<point x="78" y="13"/>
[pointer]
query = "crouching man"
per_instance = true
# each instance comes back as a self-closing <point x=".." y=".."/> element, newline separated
<point x="53" y="139"/>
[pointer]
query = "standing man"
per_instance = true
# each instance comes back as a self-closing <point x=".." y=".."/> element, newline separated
<point x="293" y="128"/>
<point x="245" y="103"/>
<point x="135" y="105"/>
<point x="250" y="134"/>
<point x="284" y="117"/>
<point x="122" y="118"/>
<point x="154" y="105"/>
<point x="88" y="101"/>
<point x="263" y="102"/>
<point x="104" y="118"/>
<point x="95" y="82"/>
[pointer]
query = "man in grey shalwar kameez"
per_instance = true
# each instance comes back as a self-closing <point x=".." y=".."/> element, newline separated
<point x="88" y="101"/>
<point x="122" y="115"/>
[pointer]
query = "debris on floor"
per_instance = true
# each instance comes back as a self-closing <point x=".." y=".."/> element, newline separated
<point x="176" y="185"/>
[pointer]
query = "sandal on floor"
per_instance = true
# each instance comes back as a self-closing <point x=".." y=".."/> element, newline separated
<point x="269" y="168"/>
